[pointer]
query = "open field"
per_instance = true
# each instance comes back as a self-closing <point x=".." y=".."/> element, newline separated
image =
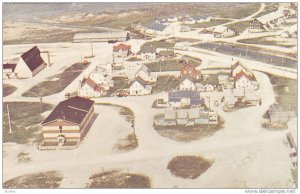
<point x="42" y="180"/>
<point x="56" y="83"/>
<point x="271" y="40"/>
<point x="270" y="7"/>
<point x="119" y="83"/>
<point x="189" y="167"/>
<point x="25" y="121"/>
<point x="8" y="89"/>
<point x="170" y="64"/>
<point x="239" y="26"/>
<point x="213" y="22"/>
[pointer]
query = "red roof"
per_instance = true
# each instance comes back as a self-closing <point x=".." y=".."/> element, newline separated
<point x="9" y="66"/>
<point x="241" y="74"/>
<point x="188" y="66"/>
<point x="122" y="47"/>
<point x="99" y="88"/>
<point x="93" y="85"/>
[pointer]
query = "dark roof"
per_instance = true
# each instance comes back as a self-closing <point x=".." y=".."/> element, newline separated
<point x="140" y="80"/>
<point x="10" y="66"/>
<point x="156" y="26"/>
<point x="194" y="96"/>
<point x="73" y="110"/>
<point x="32" y="58"/>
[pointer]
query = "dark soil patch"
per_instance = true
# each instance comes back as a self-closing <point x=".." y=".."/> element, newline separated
<point x="117" y="179"/>
<point x="189" y="167"/>
<point x="8" y="89"/>
<point x="42" y="180"/>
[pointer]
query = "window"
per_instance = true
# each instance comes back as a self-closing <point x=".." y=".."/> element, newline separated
<point x="60" y="129"/>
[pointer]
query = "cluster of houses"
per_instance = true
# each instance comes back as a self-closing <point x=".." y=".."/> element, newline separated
<point x="29" y="64"/>
<point x="151" y="53"/>
<point x="186" y="117"/>
<point x="120" y="53"/>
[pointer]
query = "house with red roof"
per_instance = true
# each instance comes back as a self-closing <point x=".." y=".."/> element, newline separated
<point x="243" y="80"/>
<point x="189" y="70"/>
<point x="121" y="50"/>
<point x="90" y="89"/>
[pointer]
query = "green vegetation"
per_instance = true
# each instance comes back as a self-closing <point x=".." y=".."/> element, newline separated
<point x="8" y="89"/>
<point x="239" y="26"/>
<point x="25" y="119"/>
<point x="270" y="7"/>
<point x="171" y="64"/>
<point x="42" y="180"/>
<point x="165" y="83"/>
<point x="190" y="167"/>
<point x="213" y="22"/>
<point x="56" y="83"/>
<point x="239" y="11"/>
<point x="119" y="83"/>
<point x="286" y="91"/>
<point x="117" y="179"/>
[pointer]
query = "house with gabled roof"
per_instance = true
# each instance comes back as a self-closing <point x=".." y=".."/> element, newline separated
<point x="238" y="67"/>
<point x="187" y="83"/>
<point x="9" y="70"/>
<point x="159" y="29"/>
<point x="139" y="87"/>
<point x="69" y="121"/>
<point x="121" y="50"/>
<point x="184" y="98"/>
<point x="90" y="89"/>
<point x="189" y="69"/>
<point x="145" y="74"/>
<point x="223" y="32"/>
<point x="243" y="80"/>
<point x="30" y="63"/>
<point x="267" y="22"/>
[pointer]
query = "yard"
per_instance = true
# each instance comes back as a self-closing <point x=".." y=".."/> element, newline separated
<point x="25" y="121"/>
<point x="8" y="89"/>
<point x="165" y="83"/>
<point x="42" y="180"/>
<point x="119" y="83"/>
<point x="189" y="167"/>
<point x="171" y="64"/>
<point x="271" y="40"/>
<point x="56" y="83"/>
<point x="118" y="179"/>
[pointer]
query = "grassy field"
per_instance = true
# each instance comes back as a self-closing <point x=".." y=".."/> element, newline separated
<point x="119" y="83"/>
<point x="239" y="26"/>
<point x="286" y="91"/>
<point x="8" y="89"/>
<point x="25" y="119"/>
<point x="270" y="7"/>
<point x="42" y="180"/>
<point x="157" y="44"/>
<point x="264" y="41"/>
<point x="189" y="167"/>
<point x="213" y="22"/>
<point x="56" y="83"/>
<point x="165" y="83"/>
<point x="118" y="179"/>
<point x="171" y="64"/>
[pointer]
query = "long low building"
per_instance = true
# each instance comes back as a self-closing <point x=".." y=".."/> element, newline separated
<point x="106" y="36"/>
<point x="69" y="121"/>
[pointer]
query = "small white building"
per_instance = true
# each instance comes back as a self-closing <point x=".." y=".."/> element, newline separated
<point x="100" y="78"/>
<point x="159" y="29"/>
<point x="9" y="71"/>
<point x="187" y="83"/>
<point x="172" y="19"/>
<point x="139" y="87"/>
<point x="189" y="21"/>
<point x="223" y="32"/>
<point x="89" y="89"/>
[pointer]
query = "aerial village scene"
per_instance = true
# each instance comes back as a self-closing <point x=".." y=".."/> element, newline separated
<point x="149" y="95"/>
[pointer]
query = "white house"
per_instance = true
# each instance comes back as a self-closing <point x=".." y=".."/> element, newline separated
<point x="172" y="19"/>
<point x="89" y="89"/>
<point x="145" y="74"/>
<point x="187" y="83"/>
<point x="189" y="21"/>
<point x="9" y="71"/>
<point x="159" y="29"/>
<point x="100" y="78"/>
<point x="243" y="81"/>
<point x="201" y="19"/>
<point x="209" y="88"/>
<point x="30" y="63"/>
<point x="223" y="32"/>
<point x="237" y="67"/>
<point x="139" y="87"/>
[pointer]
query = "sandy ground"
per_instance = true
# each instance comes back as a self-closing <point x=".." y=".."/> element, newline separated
<point x="243" y="151"/>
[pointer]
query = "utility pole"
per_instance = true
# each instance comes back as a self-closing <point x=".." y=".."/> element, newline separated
<point x="9" y="124"/>
<point x="41" y="105"/>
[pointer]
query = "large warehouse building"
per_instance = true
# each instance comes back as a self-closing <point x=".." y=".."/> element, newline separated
<point x="119" y="36"/>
